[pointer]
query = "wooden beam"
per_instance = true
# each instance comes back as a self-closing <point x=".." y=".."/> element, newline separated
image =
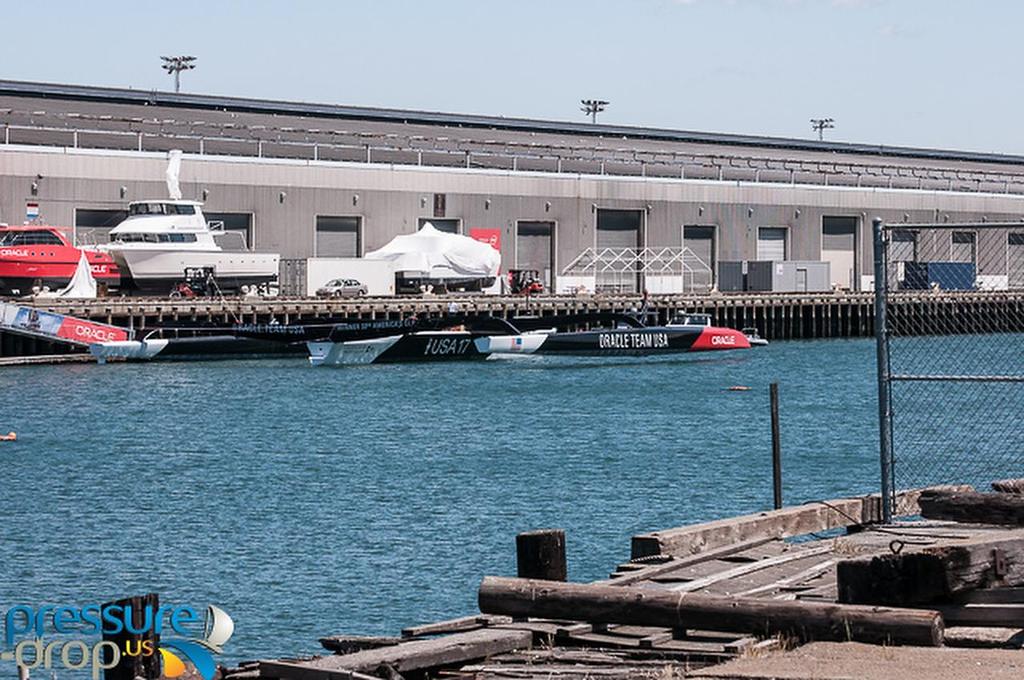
<point x="933" y="573"/>
<point x="413" y="655"/>
<point x="347" y="644"/>
<point x="996" y="615"/>
<point x="454" y="625"/>
<point x="658" y="607"/>
<point x="812" y="517"/>
<point x="1009" y="485"/>
<point x="974" y="507"/>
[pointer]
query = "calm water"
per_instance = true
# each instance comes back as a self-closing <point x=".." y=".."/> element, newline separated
<point x="309" y="502"/>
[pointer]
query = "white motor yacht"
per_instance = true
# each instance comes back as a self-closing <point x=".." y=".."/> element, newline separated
<point x="164" y="242"/>
<point x="161" y="239"/>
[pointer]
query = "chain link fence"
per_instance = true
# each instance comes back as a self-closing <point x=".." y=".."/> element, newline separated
<point x="951" y="353"/>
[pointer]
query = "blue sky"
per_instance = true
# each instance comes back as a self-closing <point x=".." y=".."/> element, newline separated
<point x="901" y="72"/>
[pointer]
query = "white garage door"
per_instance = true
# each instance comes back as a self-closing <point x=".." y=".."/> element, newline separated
<point x="771" y="243"/>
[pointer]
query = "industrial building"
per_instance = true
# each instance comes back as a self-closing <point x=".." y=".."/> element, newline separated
<point x="603" y="207"/>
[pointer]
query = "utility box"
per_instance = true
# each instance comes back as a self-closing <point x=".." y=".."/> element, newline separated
<point x="941" y="275"/>
<point x="788" y="276"/>
<point x="732" y="276"/>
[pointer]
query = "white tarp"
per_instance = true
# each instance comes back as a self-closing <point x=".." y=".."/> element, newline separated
<point x="82" y="285"/>
<point x="439" y="254"/>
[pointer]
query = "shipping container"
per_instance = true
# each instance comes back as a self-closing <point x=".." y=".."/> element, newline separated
<point x="941" y="275"/>
<point x="788" y="276"/>
<point x="732" y="276"/>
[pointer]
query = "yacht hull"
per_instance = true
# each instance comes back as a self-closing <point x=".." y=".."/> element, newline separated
<point x="157" y="271"/>
<point x="425" y="346"/>
<point x="618" y="341"/>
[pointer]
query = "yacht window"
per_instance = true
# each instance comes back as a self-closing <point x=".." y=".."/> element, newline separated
<point x="31" y="238"/>
<point x="182" y="209"/>
<point x="146" y="209"/>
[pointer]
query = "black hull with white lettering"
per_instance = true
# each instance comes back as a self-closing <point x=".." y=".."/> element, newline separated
<point x="422" y="346"/>
<point x="619" y="341"/>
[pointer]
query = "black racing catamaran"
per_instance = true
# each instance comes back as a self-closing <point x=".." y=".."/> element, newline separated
<point x="465" y="338"/>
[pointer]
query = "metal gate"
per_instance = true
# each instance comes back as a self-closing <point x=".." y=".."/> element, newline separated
<point x="950" y="350"/>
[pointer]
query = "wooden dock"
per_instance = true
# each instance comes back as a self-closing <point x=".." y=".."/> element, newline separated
<point x="774" y="594"/>
<point x="775" y="316"/>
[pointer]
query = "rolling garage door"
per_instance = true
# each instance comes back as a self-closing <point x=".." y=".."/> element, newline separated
<point x="771" y="243"/>
<point x="839" y="249"/>
<point x="902" y="248"/>
<point x="447" y="226"/>
<point x="618" y="230"/>
<point x="337" y="236"/>
<point x="534" y="241"/>
<point x="962" y="249"/>
<point x="1015" y="260"/>
<point x="92" y="227"/>
<point x="238" y="234"/>
<point x="699" y="261"/>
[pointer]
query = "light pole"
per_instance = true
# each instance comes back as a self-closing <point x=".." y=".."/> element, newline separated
<point x="821" y="124"/>
<point x="176" y="65"/>
<point x="592" y="107"/>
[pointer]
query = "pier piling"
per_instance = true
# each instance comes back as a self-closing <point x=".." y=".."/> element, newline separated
<point x="541" y="555"/>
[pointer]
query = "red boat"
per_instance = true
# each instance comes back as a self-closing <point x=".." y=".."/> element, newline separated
<point x="39" y="256"/>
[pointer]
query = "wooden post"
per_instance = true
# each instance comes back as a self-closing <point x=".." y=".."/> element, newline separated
<point x="541" y="554"/>
<point x="776" y="448"/>
<point x="663" y="608"/>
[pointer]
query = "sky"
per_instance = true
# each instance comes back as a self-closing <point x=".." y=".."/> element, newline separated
<point x="940" y="74"/>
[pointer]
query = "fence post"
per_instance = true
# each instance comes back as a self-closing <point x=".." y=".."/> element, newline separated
<point x="882" y="352"/>
<point x="776" y="448"/>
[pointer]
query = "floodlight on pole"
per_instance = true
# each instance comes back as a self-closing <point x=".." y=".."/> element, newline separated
<point x="821" y="124"/>
<point x="592" y="107"/>
<point x="176" y="65"/>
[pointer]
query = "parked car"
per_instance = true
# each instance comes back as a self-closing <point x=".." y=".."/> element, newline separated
<point x="342" y="288"/>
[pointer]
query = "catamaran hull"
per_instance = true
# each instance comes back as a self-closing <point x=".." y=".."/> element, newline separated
<point x="407" y="347"/>
<point x="618" y="342"/>
<point x="195" y="348"/>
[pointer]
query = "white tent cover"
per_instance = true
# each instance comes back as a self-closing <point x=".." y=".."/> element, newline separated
<point x="82" y="285"/>
<point x="439" y="254"/>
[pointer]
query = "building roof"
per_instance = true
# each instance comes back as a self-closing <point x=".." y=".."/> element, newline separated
<point x="276" y="107"/>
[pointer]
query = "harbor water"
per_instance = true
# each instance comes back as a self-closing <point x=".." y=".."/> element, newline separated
<point x="308" y="502"/>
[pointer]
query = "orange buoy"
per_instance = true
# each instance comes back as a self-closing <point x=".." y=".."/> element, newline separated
<point x="9" y="437"/>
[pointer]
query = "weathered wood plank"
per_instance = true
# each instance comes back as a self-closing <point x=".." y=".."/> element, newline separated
<point x="997" y="615"/>
<point x="675" y="563"/>
<point x="726" y="574"/>
<point x="974" y="507"/>
<point x="932" y="574"/>
<point x="456" y="625"/>
<point x="411" y="655"/>
<point x="1008" y="485"/>
<point x="810" y="572"/>
<point x="347" y="644"/>
<point x="812" y="517"/>
<point x="658" y="607"/>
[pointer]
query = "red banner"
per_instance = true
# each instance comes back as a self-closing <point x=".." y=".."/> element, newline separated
<point x="87" y="332"/>
<point x="491" y="237"/>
